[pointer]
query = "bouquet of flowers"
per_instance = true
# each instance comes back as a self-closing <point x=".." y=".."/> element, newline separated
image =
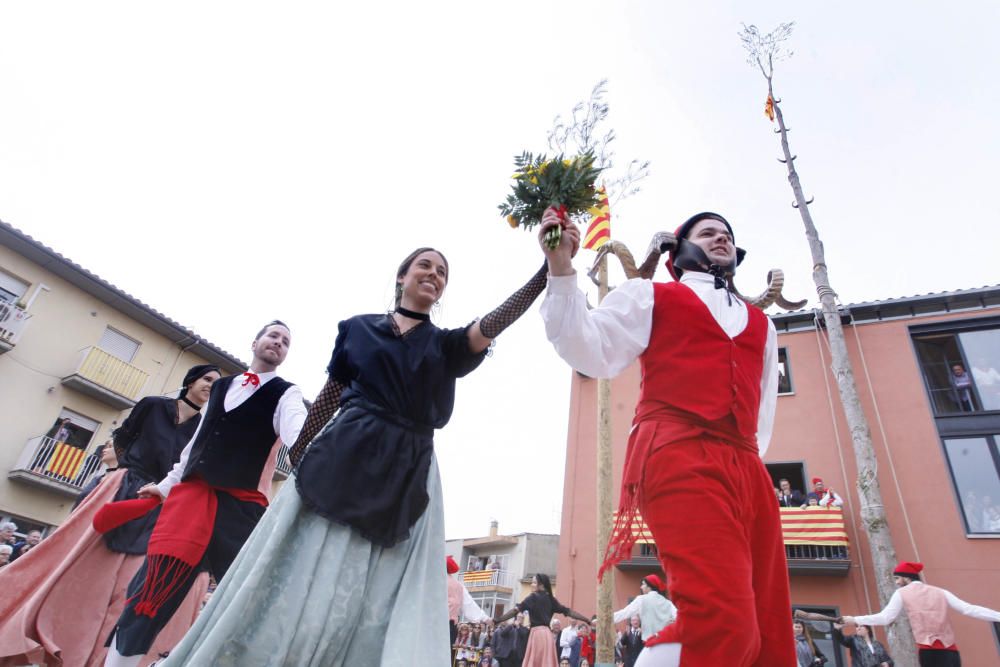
<point x="567" y="184"/>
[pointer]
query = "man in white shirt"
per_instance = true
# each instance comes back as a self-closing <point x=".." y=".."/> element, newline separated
<point x="212" y="497"/>
<point x="704" y="418"/>
<point x="927" y="609"/>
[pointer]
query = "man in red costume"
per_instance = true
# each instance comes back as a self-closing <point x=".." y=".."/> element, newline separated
<point x="927" y="608"/>
<point x="704" y="419"/>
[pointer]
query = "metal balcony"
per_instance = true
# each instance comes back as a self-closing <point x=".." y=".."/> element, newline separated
<point x="13" y="320"/>
<point x="483" y="580"/>
<point x="107" y="378"/>
<point x="55" y="466"/>
<point x="283" y="466"/>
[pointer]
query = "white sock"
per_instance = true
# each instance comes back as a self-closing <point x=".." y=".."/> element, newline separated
<point x="116" y="659"/>
<point x="661" y="655"/>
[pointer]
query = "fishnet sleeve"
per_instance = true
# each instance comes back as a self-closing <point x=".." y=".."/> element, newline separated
<point x="323" y="408"/>
<point x="493" y="323"/>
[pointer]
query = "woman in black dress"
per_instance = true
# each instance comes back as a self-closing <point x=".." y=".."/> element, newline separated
<point x="541" y="605"/>
<point x="345" y="566"/>
<point x="62" y="599"/>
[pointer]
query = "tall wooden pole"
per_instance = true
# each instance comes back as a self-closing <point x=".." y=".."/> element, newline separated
<point x="605" y="587"/>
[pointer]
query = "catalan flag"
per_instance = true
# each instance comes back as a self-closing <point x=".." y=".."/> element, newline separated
<point x="769" y="108"/>
<point x="814" y="525"/>
<point x="478" y="576"/>
<point x="818" y="526"/>
<point x="599" y="231"/>
<point x="66" y="460"/>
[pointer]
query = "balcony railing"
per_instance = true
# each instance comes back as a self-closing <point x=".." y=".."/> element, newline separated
<point x="13" y="320"/>
<point x="815" y="540"/>
<point x="55" y="465"/>
<point x="488" y="579"/>
<point x="107" y="378"/>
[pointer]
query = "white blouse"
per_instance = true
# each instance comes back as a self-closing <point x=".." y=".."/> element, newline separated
<point x="604" y="341"/>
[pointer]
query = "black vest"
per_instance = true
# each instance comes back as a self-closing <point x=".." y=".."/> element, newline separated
<point x="232" y="448"/>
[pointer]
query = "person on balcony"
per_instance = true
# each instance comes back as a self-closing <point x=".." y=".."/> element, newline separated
<point x="927" y="608"/>
<point x="212" y="498"/>
<point x="365" y="512"/>
<point x="789" y="497"/>
<point x="65" y="596"/>
<point x="709" y="365"/>
<point x="61" y="430"/>
<point x="824" y="496"/>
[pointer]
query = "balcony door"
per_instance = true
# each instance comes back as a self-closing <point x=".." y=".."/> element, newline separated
<point x="78" y="431"/>
<point x="11" y="289"/>
<point x="118" y="345"/>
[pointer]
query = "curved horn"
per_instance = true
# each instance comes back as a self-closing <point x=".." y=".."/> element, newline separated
<point x="619" y="250"/>
<point x="662" y="242"/>
<point x="771" y="295"/>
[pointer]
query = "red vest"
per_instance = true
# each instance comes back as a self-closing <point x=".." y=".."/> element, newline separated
<point x="691" y="364"/>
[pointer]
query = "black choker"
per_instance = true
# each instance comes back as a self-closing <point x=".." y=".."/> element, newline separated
<point x="197" y="408"/>
<point x="406" y="312"/>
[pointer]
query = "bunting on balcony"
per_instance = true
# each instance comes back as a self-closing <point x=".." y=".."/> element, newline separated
<point x="815" y="525"/>
<point x="477" y="576"/>
<point x="66" y="461"/>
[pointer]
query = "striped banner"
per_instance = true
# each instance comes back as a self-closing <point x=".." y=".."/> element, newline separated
<point x="478" y="576"/>
<point x="599" y="231"/>
<point x="66" y="460"/>
<point x="815" y="525"/>
<point x="639" y="529"/>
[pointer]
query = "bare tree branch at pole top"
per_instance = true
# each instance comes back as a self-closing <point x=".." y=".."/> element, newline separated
<point x="763" y="51"/>
<point x="580" y="133"/>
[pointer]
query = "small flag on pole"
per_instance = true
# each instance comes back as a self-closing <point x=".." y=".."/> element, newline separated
<point x="599" y="231"/>
<point x="769" y="108"/>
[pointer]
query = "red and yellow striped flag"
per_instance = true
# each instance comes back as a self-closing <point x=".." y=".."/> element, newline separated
<point x="599" y="231"/>
<point x="814" y="525"/>
<point x="769" y="108"/>
<point x="66" y="460"/>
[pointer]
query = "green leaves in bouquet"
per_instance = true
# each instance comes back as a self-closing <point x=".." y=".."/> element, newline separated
<point x="540" y="183"/>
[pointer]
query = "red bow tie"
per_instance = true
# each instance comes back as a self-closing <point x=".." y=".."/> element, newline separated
<point x="251" y="378"/>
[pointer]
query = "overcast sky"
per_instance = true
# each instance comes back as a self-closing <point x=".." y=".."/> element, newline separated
<point x="229" y="163"/>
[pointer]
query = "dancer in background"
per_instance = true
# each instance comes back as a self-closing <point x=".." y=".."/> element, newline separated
<point x="541" y="605"/>
<point x="63" y="598"/>
<point x="214" y="495"/>
<point x="927" y="608"/>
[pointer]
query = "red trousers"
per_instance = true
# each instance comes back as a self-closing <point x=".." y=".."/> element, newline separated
<point x="710" y="507"/>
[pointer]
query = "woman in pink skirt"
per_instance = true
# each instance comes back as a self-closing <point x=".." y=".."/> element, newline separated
<point x="63" y="598"/>
<point x="541" y="605"/>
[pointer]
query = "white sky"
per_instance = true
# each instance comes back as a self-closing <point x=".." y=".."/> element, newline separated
<point x="229" y="163"/>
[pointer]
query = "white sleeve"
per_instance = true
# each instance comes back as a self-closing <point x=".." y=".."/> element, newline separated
<point x="628" y="612"/>
<point x="175" y="474"/>
<point x="566" y="640"/>
<point x="975" y="611"/>
<point x="886" y="616"/>
<point x="768" y="390"/>
<point x="290" y="415"/>
<point x="470" y="609"/>
<point x="602" y="342"/>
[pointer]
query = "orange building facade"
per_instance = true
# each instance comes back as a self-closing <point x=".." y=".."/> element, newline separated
<point x="936" y="438"/>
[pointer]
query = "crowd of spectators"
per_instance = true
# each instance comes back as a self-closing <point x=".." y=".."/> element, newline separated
<point x="486" y="645"/>
<point x="12" y="547"/>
